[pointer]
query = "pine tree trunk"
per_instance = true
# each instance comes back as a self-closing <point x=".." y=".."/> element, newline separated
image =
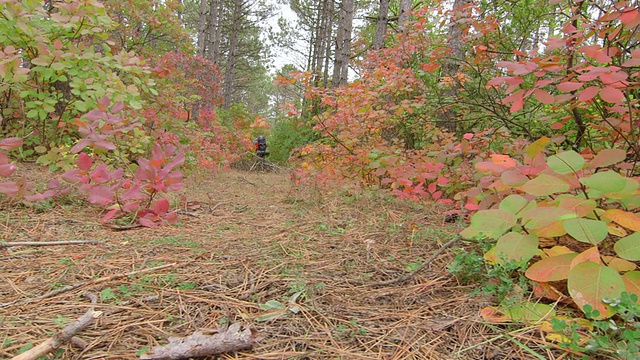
<point x="214" y="30"/>
<point x="381" y="25"/>
<point x="347" y="27"/>
<point x="232" y="53"/>
<point x="405" y="11"/>
<point x="455" y="44"/>
<point x="202" y="28"/>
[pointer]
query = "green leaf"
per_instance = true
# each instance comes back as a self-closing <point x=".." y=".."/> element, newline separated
<point x="529" y="312"/>
<point x="272" y="305"/>
<point x="40" y="62"/>
<point x="490" y="223"/>
<point x="58" y="66"/>
<point x="543" y="216"/>
<point x="136" y="104"/>
<point x="513" y="204"/>
<point x="553" y="268"/>
<point x="630" y="189"/>
<point x="107" y="294"/>
<point x="589" y="283"/>
<point x="586" y="230"/>
<point x="566" y="162"/>
<point x="628" y="247"/>
<point x="606" y="181"/>
<point x="544" y="185"/>
<point x="80" y="106"/>
<point x="631" y="203"/>
<point x="516" y="246"/>
<point x="32" y="114"/>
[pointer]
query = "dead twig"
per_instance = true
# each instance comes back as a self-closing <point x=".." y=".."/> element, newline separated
<point x="61" y="337"/>
<point x="86" y="283"/>
<point x="49" y="243"/>
<point x="242" y="178"/>
<point x="124" y="228"/>
<point x="184" y="212"/>
<point x="197" y="344"/>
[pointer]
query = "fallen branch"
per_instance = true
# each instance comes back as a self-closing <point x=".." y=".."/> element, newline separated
<point x="61" y="337"/>
<point x="49" y="243"/>
<point x="404" y="278"/>
<point x="198" y="345"/>
<point x="86" y="283"/>
<point x="124" y="228"/>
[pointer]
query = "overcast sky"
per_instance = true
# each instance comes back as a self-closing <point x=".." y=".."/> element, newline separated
<point x="282" y="56"/>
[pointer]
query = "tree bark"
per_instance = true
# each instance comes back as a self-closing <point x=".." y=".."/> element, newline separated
<point x="381" y="25"/>
<point x="202" y="28"/>
<point x="405" y="11"/>
<point x="215" y="30"/>
<point x="343" y="46"/>
<point x="231" y="56"/>
<point x="455" y="44"/>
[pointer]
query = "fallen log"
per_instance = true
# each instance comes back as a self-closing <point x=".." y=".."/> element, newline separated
<point x="198" y="344"/>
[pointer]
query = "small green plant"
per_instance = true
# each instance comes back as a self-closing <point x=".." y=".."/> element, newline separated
<point x="107" y="294"/>
<point x="617" y="337"/>
<point x="61" y="321"/>
<point x="349" y="330"/>
<point x="186" y="285"/>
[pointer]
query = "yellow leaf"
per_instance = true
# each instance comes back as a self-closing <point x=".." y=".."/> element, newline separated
<point x="627" y="219"/>
<point x="490" y="256"/>
<point x="536" y="147"/>
<point x="558" y="250"/>
<point x="619" y="264"/>
<point x="617" y="230"/>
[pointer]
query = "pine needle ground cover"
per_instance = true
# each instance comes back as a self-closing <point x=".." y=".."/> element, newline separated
<point x="300" y="266"/>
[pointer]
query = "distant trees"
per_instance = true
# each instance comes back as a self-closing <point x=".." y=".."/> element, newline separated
<point x="229" y="34"/>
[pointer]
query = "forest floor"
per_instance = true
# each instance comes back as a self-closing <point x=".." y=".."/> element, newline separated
<point x="301" y="266"/>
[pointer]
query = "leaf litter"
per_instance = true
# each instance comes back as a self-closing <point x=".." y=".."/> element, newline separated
<point x="296" y="264"/>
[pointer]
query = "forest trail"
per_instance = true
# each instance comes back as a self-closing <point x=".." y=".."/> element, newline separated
<point x="296" y="264"/>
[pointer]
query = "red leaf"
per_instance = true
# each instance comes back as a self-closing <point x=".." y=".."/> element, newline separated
<point x="569" y="86"/>
<point x="80" y="145"/>
<point x="517" y="105"/>
<point x="131" y="206"/>
<point x="117" y="108"/>
<point x="471" y="207"/>
<point x="75" y="176"/>
<point x="543" y="96"/>
<point x="612" y="95"/>
<point x="430" y="68"/>
<point x="161" y="206"/>
<point x="99" y="195"/>
<point x="9" y="188"/>
<point x="7" y="170"/>
<point x="630" y="16"/>
<point x="588" y="93"/>
<point x="104" y="144"/>
<point x="10" y="143"/>
<point x="100" y="174"/>
<point x="84" y="162"/>
<point x="103" y="104"/>
<point x="109" y="215"/>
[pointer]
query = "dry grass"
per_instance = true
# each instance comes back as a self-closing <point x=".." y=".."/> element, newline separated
<point x="250" y="238"/>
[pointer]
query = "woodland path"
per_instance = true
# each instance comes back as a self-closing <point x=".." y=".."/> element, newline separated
<point x="249" y="242"/>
